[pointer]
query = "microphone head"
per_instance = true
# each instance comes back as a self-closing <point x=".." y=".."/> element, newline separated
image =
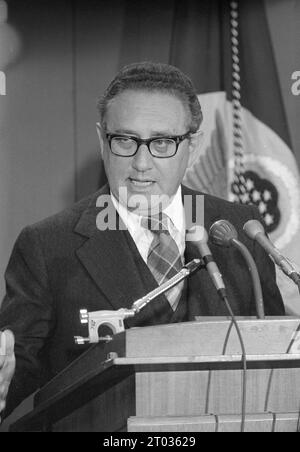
<point x="222" y="233"/>
<point x="197" y="233"/>
<point x="252" y="228"/>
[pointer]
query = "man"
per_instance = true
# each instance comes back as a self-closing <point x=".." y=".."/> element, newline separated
<point x="148" y="131"/>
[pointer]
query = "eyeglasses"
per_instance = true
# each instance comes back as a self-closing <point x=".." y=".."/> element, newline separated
<point x="160" y="147"/>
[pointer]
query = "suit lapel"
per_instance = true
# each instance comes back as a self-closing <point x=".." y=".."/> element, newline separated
<point x="108" y="259"/>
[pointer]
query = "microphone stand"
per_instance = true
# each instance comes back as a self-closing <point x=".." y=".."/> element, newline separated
<point x="255" y="277"/>
<point x="115" y="319"/>
<point x="291" y="272"/>
<point x="189" y="268"/>
<point x="255" y="231"/>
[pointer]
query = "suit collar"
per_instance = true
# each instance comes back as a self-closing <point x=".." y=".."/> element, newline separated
<point x="86" y="224"/>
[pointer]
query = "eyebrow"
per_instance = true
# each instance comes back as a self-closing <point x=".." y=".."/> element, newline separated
<point x="154" y="133"/>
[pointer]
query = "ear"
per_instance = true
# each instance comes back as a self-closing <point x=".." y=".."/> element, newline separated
<point x="196" y="141"/>
<point x="100" y="133"/>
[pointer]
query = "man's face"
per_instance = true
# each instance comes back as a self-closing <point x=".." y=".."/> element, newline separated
<point x="145" y="115"/>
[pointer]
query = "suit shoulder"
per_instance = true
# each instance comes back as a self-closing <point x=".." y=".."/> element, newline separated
<point x="218" y="208"/>
<point x="63" y="221"/>
<point x="228" y="206"/>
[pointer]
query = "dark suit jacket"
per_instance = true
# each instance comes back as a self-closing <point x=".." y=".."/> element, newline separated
<point x="64" y="264"/>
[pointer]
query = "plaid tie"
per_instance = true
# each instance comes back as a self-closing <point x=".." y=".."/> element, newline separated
<point x="164" y="258"/>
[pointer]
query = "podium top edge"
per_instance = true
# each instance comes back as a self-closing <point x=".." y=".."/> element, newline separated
<point x="223" y="320"/>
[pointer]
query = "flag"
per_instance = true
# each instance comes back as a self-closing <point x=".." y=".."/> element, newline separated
<point x="225" y="47"/>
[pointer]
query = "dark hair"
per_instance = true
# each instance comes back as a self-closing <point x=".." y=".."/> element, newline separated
<point x="149" y="76"/>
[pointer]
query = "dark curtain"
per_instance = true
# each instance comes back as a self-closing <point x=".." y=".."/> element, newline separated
<point x="194" y="35"/>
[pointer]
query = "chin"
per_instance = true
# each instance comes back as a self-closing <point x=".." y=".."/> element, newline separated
<point x="150" y="203"/>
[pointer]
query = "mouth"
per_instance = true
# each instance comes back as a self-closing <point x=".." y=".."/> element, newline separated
<point x="141" y="183"/>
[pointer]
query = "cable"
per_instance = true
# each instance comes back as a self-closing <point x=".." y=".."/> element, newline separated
<point x="258" y="295"/>
<point x="227" y="339"/>
<point x="298" y="284"/>
<point x="244" y="360"/>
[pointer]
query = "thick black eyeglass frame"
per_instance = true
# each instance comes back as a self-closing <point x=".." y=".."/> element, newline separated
<point x="177" y="138"/>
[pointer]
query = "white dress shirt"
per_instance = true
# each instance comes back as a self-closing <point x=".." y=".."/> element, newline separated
<point x="143" y="237"/>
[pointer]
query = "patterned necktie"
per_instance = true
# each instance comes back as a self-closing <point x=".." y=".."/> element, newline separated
<point x="164" y="258"/>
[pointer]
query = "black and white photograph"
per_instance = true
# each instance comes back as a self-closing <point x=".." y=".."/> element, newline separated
<point x="150" y="218"/>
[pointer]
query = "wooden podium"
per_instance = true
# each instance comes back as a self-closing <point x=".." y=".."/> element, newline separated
<point x="184" y="377"/>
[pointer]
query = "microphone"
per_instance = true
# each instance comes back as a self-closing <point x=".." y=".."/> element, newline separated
<point x="255" y="231"/>
<point x="198" y="235"/>
<point x="223" y="233"/>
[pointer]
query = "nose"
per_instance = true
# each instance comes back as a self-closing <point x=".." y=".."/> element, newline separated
<point x="142" y="160"/>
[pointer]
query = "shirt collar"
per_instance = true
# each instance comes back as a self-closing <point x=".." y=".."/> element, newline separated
<point x="174" y="211"/>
